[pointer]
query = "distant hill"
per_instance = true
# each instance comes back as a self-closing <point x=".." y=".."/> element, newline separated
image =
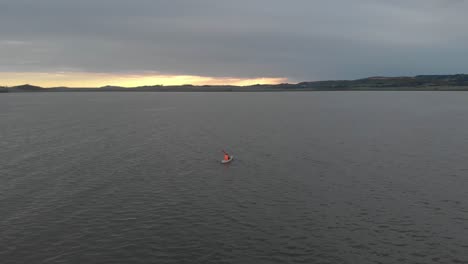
<point x="458" y="82"/>
<point x="26" y="88"/>
<point x="420" y="81"/>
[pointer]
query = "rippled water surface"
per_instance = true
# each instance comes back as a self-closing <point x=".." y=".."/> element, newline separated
<point x="318" y="177"/>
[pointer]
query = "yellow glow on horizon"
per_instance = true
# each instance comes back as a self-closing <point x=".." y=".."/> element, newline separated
<point x="84" y="79"/>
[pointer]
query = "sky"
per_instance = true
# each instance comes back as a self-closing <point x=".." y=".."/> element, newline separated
<point x="92" y="43"/>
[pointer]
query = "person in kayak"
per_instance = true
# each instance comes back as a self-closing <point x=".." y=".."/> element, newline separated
<point x="226" y="156"/>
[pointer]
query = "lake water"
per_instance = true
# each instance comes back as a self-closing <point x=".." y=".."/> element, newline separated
<point x="318" y="177"/>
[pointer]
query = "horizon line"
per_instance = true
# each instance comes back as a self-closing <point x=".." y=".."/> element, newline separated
<point x="219" y="84"/>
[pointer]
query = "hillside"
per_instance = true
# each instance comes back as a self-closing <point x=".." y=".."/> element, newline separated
<point x="457" y="82"/>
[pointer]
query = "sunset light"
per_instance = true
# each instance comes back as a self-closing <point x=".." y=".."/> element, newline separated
<point x="84" y="79"/>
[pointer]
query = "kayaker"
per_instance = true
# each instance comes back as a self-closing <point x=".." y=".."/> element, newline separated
<point x="226" y="156"/>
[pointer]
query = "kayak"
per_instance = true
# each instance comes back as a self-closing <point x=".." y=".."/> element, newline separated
<point x="227" y="161"/>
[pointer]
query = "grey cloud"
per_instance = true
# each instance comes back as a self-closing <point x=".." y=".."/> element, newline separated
<point x="301" y="40"/>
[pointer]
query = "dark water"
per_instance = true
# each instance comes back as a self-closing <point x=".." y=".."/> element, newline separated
<point x="358" y="177"/>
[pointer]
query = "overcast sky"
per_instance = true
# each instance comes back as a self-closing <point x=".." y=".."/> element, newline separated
<point x="295" y="39"/>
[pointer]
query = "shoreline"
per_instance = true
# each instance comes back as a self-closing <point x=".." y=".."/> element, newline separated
<point x="239" y="90"/>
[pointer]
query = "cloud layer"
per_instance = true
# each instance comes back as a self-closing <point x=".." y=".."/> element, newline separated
<point x="299" y="40"/>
